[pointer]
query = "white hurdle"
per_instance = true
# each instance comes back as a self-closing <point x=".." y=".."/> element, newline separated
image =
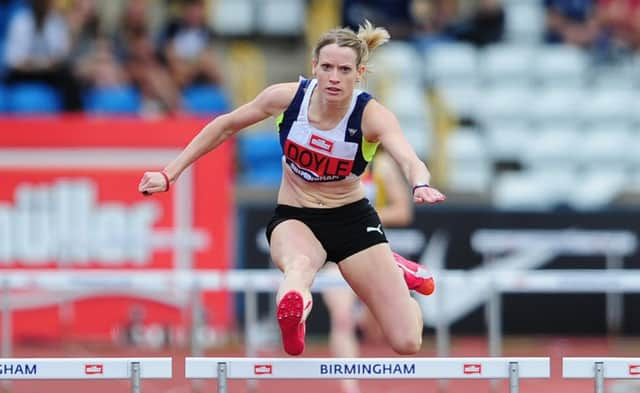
<point x="366" y="368"/>
<point x="600" y="369"/>
<point x="133" y="369"/>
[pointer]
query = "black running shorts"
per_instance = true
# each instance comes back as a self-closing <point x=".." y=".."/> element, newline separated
<point x="342" y="231"/>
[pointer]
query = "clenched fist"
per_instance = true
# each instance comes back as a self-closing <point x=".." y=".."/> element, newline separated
<point x="153" y="182"/>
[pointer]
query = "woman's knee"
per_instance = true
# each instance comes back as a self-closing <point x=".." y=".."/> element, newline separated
<point x="300" y="264"/>
<point x="406" y="344"/>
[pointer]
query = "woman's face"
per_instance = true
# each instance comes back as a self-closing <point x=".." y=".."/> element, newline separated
<point x="337" y="72"/>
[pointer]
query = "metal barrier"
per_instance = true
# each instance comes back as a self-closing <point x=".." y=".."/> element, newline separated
<point x="366" y="368"/>
<point x="600" y="369"/>
<point x="133" y="369"/>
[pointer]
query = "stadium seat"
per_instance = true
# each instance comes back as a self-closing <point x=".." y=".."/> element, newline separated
<point x="598" y="187"/>
<point x="33" y="98"/>
<point x="460" y="99"/>
<point x="420" y="136"/>
<point x="554" y="144"/>
<point x="542" y="188"/>
<point x="397" y="60"/>
<point x="116" y="100"/>
<point x="233" y="17"/>
<point x="205" y="100"/>
<point x="506" y="64"/>
<point x="406" y="100"/>
<point x="448" y="63"/>
<point x="525" y="21"/>
<point x="259" y="155"/>
<point x="503" y="105"/>
<point x="607" y="106"/>
<point x="508" y="141"/>
<point x="281" y="17"/>
<point x="3" y="99"/>
<point x="560" y="66"/>
<point x="469" y="166"/>
<point x="555" y="106"/>
<point x="606" y="145"/>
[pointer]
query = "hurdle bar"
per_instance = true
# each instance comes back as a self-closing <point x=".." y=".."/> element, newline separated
<point x="223" y="369"/>
<point x="600" y="369"/>
<point x="133" y="369"/>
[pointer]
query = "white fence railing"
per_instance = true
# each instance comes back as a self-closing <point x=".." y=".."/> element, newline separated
<point x="251" y="282"/>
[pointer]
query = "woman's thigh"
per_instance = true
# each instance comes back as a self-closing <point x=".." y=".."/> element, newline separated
<point x="293" y="242"/>
<point x="375" y="278"/>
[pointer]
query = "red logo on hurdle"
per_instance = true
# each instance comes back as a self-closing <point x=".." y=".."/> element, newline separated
<point x="474" y="368"/>
<point x="262" y="369"/>
<point x="634" y="369"/>
<point x="93" y="369"/>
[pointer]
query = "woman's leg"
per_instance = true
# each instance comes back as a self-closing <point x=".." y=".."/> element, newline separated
<point x="375" y="278"/>
<point x="298" y="253"/>
<point x="341" y="303"/>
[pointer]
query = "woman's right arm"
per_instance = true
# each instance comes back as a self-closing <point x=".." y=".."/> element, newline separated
<point x="270" y="102"/>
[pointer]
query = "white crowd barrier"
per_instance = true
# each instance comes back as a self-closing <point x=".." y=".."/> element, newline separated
<point x="251" y="282"/>
<point x="366" y="368"/>
<point x="600" y="369"/>
<point x="133" y="369"/>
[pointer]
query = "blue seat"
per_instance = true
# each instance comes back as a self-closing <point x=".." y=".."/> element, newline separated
<point x="205" y="100"/>
<point x="268" y="176"/>
<point x="259" y="154"/>
<point x="113" y="100"/>
<point x="3" y="99"/>
<point x="258" y="148"/>
<point x="33" y="98"/>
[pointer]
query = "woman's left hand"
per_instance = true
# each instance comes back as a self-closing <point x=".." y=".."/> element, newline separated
<point x="429" y="194"/>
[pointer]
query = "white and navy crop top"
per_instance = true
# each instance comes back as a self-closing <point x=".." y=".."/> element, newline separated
<point x="323" y="156"/>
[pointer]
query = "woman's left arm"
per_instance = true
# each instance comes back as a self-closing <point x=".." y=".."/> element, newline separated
<point x="380" y="124"/>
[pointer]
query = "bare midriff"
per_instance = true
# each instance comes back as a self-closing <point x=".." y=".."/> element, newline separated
<point x="295" y="191"/>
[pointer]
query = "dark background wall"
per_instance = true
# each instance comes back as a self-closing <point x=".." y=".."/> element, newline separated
<point x="574" y="314"/>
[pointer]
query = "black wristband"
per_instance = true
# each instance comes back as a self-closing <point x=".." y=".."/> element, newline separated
<point x="419" y="185"/>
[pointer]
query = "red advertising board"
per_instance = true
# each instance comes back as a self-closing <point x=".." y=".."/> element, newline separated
<point x="68" y="199"/>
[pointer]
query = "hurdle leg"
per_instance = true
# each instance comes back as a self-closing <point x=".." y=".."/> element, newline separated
<point x="6" y="327"/>
<point x="250" y="322"/>
<point x="135" y="377"/>
<point x="222" y="377"/>
<point x="514" y="386"/>
<point x="599" y="378"/>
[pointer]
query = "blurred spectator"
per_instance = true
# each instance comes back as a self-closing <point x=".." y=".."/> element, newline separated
<point x="37" y="50"/>
<point x="620" y="23"/>
<point x="433" y="18"/>
<point x="134" y="46"/>
<point x="484" y="23"/>
<point x="155" y="13"/>
<point x="394" y="15"/>
<point x="478" y="22"/>
<point x="187" y="47"/>
<point x="571" y="22"/>
<point x="92" y="54"/>
<point x="100" y="68"/>
<point x="84" y="26"/>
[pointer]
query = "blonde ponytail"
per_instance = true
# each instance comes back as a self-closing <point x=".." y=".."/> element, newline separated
<point x="363" y="43"/>
<point x="372" y="36"/>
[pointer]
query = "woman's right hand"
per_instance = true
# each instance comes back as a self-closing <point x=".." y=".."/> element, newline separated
<point x="153" y="182"/>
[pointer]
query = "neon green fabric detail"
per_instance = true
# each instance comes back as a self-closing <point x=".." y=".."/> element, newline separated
<point x="369" y="149"/>
<point x="279" y="120"/>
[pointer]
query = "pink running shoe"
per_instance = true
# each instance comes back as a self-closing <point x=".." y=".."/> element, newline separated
<point x="289" y="314"/>
<point x="416" y="276"/>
